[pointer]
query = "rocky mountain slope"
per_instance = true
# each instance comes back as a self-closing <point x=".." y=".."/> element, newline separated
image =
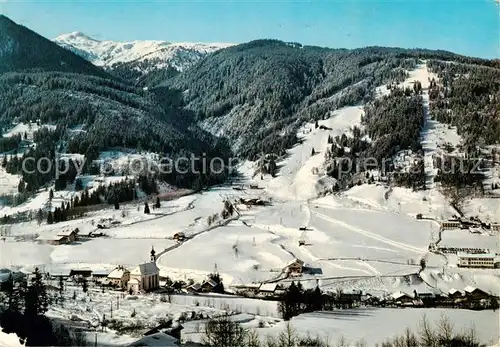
<point x="137" y="58"/>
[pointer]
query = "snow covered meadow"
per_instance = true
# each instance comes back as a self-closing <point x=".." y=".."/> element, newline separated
<point x="365" y="238"/>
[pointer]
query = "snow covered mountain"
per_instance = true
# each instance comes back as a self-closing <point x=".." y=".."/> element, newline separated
<point x="140" y="55"/>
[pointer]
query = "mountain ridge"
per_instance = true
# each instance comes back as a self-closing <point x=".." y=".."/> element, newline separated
<point x="134" y="59"/>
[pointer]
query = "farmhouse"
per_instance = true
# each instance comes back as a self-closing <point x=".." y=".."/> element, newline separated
<point x="71" y="235"/>
<point x="99" y="275"/>
<point x="80" y="272"/>
<point x="58" y="238"/>
<point x="145" y="277"/>
<point x="179" y="237"/>
<point x="455" y="293"/>
<point x="403" y="299"/>
<point x="52" y="239"/>
<point x="474" y="293"/>
<point x="268" y="289"/>
<point x="119" y="277"/>
<point x="208" y="285"/>
<point x="476" y="260"/>
<point x="295" y="267"/>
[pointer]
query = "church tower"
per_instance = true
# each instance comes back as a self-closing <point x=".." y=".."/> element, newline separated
<point x="153" y="255"/>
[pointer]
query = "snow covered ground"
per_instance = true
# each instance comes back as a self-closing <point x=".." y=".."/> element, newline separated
<point x="365" y="238"/>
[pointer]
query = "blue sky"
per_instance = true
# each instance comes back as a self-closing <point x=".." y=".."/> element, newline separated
<point x="468" y="27"/>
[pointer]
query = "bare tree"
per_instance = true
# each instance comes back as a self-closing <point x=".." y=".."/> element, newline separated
<point x="223" y="332"/>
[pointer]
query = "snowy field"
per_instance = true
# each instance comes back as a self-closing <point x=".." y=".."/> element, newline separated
<point x="365" y="238"/>
<point x="377" y="324"/>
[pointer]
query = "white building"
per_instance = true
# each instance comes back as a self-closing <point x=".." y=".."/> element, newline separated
<point x="119" y="277"/>
<point x="145" y="277"/>
<point x="476" y="260"/>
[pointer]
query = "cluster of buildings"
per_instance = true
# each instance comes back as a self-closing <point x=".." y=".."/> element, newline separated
<point x="464" y="223"/>
<point x="470" y="297"/>
<point x="143" y="278"/>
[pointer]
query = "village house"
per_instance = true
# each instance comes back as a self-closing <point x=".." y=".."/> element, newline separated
<point x="295" y="267"/>
<point x="179" y="237"/>
<point x="455" y="294"/>
<point x="119" y="277"/>
<point x="58" y="238"/>
<point x="268" y="289"/>
<point x="402" y="299"/>
<point x="208" y="285"/>
<point x="52" y="239"/>
<point x="476" y="260"/>
<point x="85" y="272"/>
<point x="145" y="277"/>
<point x="71" y="235"/>
<point x="99" y="275"/>
<point x="194" y="288"/>
<point x="473" y="293"/>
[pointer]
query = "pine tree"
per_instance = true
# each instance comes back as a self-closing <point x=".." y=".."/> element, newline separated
<point x="39" y="216"/>
<point x="117" y="204"/>
<point x="146" y="208"/>
<point x="36" y="298"/>
<point x="50" y="218"/>
<point x="51" y="194"/>
<point x="158" y="204"/>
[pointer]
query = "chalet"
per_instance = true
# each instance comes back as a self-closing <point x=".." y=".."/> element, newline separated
<point x="179" y="237"/>
<point x="80" y="273"/>
<point x="208" y="285"/>
<point x="52" y="239"/>
<point x="476" y="260"/>
<point x="455" y="293"/>
<point x="402" y="299"/>
<point x="268" y="289"/>
<point x="119" y="277"/>
<point x="194" y="288"/>
<point x="71" y="235"/>
<point x="99" y="275"/>
<point x="295" y="267"/>
<point x="475" y="293"/>
<point x="145" y="277"/>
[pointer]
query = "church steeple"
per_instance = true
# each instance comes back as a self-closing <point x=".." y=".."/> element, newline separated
<point x="153" y="254"/>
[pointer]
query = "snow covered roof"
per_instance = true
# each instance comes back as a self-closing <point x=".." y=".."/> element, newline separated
<point x="195" y="286"/>
<point x="65" y="232"/>
<point x="479" y="255"/>
<point x="211" y="282"/>
<point x="49" y="237"/>
<point x="146" y="269"/>
<point x="470" y="289"/>
<point x="268" y="287"/>
<point x="295" y="261"/>
<point x="118" y="273"/>
<point x="158" y="339"/>
<point x="399" y="295"/>
<point x="454" y="291"/>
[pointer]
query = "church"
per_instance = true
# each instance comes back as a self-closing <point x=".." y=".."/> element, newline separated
<point x="145" y="277"/>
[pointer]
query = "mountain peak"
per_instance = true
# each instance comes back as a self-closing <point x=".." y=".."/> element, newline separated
<point x="74" y="36"/>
